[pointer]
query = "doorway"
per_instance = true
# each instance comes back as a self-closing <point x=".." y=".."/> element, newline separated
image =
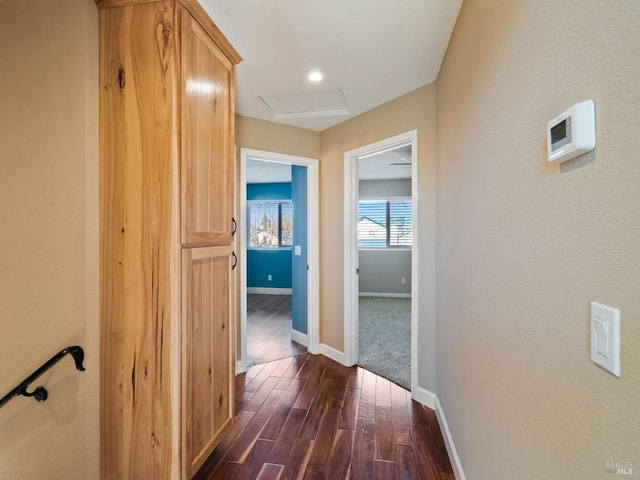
<point x="303" y="256"/>
<point x="380" y="244"/>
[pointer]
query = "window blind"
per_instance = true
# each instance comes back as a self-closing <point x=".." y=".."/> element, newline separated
<point x="270" y="224"/>
<point x="385" y="223"/>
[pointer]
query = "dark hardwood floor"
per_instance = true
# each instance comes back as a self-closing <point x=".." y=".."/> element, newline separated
<point x="269" y="329"/>
<point x="308" y="417"/>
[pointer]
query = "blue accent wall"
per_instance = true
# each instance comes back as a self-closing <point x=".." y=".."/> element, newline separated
<point x="299" y="262"/>
<point x="268" y="191"/>
<point x="262" y="262"/>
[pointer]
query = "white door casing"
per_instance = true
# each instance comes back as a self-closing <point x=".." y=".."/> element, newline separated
<point x="313" y="239"/>
<point x="351" y="245"/>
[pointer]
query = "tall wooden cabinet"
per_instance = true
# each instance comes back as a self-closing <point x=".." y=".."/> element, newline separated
<point x="166" y="238"/>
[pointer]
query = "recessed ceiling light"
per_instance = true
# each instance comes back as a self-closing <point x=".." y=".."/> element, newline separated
<point x="315" y="76"/>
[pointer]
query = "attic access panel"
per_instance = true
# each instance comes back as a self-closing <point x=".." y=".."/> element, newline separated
<point x="306" y="104"/>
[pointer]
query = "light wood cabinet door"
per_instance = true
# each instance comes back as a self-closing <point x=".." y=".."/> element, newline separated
<point x="206" y="138"/>
<point x="207" y="351"/>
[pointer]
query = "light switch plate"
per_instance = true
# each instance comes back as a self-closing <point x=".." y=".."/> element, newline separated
<point x="605" y="327"/>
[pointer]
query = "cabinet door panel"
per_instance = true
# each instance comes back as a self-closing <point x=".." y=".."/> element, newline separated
<point x="207" y="351"/>
<point x="206" y="131"/>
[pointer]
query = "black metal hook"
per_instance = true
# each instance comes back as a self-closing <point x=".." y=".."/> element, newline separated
<point x="40" y="393"/>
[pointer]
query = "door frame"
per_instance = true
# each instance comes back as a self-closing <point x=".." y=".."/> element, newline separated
<point x="351" y="301"/>
<point x="313" y="246"/>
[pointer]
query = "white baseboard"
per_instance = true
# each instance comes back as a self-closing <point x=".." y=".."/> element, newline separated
<point x="300" y="337"/>
<point x="448" y="441"/>
<point x="384" y="295"/>
<point x="240" y="368"/>
<point x="333" y="354"/>
<point x="424" y="396"/>
<point x="269" y="291"/>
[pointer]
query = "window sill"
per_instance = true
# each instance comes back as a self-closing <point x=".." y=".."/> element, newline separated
<point x="385" y="249"/>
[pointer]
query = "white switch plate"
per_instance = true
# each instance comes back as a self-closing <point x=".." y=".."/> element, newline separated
<point x="605" y="337"/>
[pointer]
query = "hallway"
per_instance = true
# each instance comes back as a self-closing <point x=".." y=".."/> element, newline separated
<point x="310" y="417"/>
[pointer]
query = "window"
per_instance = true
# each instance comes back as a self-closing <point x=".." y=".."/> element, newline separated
<point x="385" y="223"/>
<point x="270" y="224"/>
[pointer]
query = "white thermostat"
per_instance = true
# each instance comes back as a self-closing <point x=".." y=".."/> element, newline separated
<point x="572" y="133"/>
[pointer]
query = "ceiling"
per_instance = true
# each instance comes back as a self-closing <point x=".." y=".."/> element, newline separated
<point x="266" y="171"/>
<point x="369" y="51"/>
<point x="386" y="165"/>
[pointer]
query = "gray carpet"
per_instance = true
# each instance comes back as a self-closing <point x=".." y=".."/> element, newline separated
<point x="385" y="338"/>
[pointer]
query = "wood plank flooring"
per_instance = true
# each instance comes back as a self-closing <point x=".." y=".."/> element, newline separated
<point x="308" y="417"/>
<point x="269" y="329"/>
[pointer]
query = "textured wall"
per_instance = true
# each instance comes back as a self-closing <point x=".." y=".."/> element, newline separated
<point x="377" y="189"/>
<point x="275" y="137"/>
<point x="381" y="271"/>
<point x="415" y="110"/>
<point x="299" y="263"/>
<point x="268" y="191"/>
<point x="524" y="246"/>
<point x="49" y="234"/>
<point x="262" y="262"/>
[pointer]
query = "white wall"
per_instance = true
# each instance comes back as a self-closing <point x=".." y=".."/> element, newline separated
<point x="49" y="235"/>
